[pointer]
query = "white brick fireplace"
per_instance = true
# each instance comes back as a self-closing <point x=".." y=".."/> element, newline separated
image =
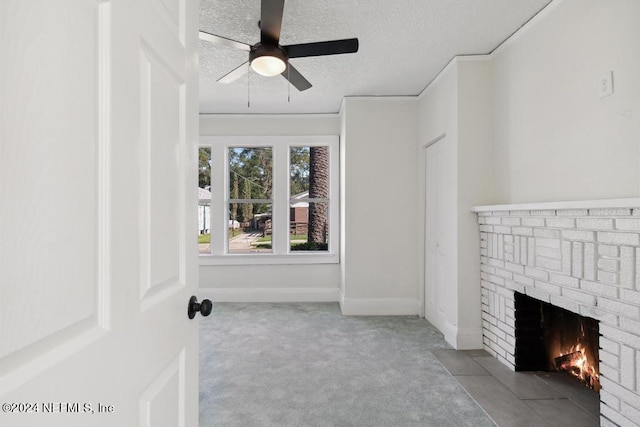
<point x="583" y="257"/>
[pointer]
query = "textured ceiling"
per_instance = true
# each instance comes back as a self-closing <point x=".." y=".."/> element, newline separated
<point x="403" y="46"/>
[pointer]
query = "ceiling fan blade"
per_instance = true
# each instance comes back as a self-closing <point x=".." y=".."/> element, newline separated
<point x="271" y="21"/>
<point x="223" y="41"/>
<point x="295" y="78"/>
<point x="332" y="47"/>
<point x="235" y="74"/>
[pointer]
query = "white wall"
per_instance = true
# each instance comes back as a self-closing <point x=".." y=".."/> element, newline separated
<point x="379" y="262"/>
<point x="546" y="135"/>
<point x="457" y="107"/>
<point x="320" y="282"/>
<point x="379" y="204"/>
<point x="555" y="139"/>
<point x="268" y="124"/>
<point x="475" y="133"/>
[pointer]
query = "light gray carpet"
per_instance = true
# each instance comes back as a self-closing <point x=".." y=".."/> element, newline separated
<point x="304" y="364"/>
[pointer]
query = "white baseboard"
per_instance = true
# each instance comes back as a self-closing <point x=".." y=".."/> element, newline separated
<point x="458" y="338"/>
<point x="270" y="294"/>
<point x="469" y="339"/>
<point x="380" y="306"/>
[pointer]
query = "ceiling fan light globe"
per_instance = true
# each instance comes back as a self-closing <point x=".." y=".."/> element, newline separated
<point x="268" y="65"/>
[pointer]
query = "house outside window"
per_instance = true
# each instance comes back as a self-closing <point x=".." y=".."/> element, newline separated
<point x="268" y="200"/>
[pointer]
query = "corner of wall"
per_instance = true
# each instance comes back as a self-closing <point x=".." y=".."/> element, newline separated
<point x="475" y="182"/>
<point x="468" y="339"/>
<point x="458" y="104"/>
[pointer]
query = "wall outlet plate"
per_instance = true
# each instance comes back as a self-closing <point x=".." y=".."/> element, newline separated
<point x="606" y="84"/>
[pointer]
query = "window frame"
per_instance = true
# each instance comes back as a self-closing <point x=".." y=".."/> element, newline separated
<point x="281" y="252"/>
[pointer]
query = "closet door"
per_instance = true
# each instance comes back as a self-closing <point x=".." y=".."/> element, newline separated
<point x="440" y="263"/>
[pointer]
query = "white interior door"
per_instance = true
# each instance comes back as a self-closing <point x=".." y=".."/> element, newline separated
<point x="98" y="137"/>
<point x="440" y="209"/>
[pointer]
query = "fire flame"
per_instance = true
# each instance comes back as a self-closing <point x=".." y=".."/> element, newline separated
<point x="576" y="363"/>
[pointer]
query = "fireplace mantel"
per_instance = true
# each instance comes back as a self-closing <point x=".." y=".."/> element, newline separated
<point x="583" y="256"/>
<point x="628" y="203"/>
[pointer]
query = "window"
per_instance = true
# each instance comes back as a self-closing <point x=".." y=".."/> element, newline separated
<point x="268" y="200"/>
<point x="250" y="209"/>
<point x="204" y="200"/>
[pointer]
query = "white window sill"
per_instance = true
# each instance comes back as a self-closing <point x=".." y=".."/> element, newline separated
<point x="269" y="259"/>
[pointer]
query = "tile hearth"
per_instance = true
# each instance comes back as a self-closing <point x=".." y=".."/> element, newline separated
<point x="539" y="399"/>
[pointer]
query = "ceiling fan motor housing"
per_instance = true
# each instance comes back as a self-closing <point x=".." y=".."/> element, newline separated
<point x="261" y="50"/>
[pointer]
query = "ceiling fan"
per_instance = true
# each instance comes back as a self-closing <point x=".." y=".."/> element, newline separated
<point x="268" y="57"/>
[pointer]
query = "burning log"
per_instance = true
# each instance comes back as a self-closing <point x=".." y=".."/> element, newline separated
<point x="568" y="360"/>
<point x="575" y="363"/>
<point x="571" y="362"/>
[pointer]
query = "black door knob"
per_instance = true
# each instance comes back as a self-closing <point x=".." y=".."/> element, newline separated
<point x="203" y="307"/>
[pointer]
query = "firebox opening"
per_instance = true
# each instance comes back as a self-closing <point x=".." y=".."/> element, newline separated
<point x="550" y="338"/>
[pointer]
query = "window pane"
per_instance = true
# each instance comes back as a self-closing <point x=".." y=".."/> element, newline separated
<point x="299" y="172"/>
<point x="250" y="192"/>
<point x="309" y="226"/>
<point x="309" y="172"/>
<point x="308" y="182"/>
<point x="250" y="173"/>
<point x="319" y="172"/>
<point x="204" y="200"/>
<point x="250" y="237"/>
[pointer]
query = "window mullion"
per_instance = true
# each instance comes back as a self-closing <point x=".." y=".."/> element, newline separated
<point x="218" y="196"/>
<point x="334" y="194"/>
<point x="280" y="218"/>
